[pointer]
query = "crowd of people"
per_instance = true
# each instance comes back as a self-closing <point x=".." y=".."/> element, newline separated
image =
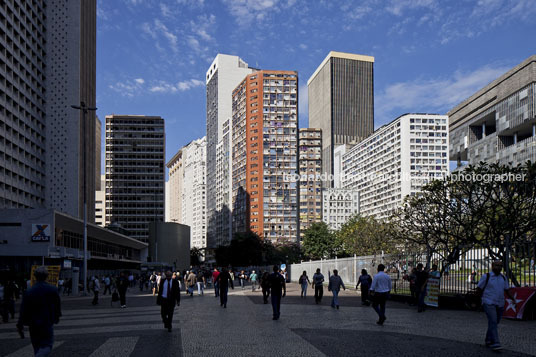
<point x="41" y="302"/>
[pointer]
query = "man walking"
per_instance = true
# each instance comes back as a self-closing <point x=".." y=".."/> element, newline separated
<point x="107" y="285"/>
<point x="223" y="280"/>
<point x="96" y="288"/>
<point x="168" y="295"/>
<point x="380" y="288"/>
<point x="40" y="310"/>
<point x="265" y="285"/>
<point x="318" y="281"/>
<point x="253" y="279"/>
<point x="191" y="280"/>
<point x="364" y="280"/>
<point x="200" y="283"/>
<point x="278" y="290"/>
<point x="122" y="286"/>
<point x="492" y="287"/>
<point x="335" y="283"/>
<point x="215" y="274"/>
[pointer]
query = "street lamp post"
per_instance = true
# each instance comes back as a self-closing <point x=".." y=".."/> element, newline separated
<point x="84" y="110"/>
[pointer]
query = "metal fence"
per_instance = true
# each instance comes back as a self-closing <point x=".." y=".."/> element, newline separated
<point x="458" y="278"/>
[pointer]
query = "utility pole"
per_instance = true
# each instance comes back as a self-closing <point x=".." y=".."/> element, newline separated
<point x="84" y="110"/>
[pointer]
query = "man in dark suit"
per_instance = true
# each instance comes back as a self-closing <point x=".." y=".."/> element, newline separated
<point x="168" y="294"/>
<point x="40" y="310"/>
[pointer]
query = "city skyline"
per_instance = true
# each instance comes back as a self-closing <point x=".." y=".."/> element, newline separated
<point x="428" y="57"/>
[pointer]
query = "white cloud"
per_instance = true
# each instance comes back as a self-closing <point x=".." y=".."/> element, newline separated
<point x="432" y="95"/>
<point x="172" y="38"/>
<point x="146" y="28"/>
<point x="165" y="87"/>
<point x="398" y="7"/>
<point x="245" y="11"/>
<point x="303" y="46"/>
<point x="128" y="88"/>
<point x="165" y="10"/>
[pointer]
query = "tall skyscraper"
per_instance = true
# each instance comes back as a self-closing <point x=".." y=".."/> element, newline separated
<point x="48" y="64"/>
<point x="341" y="102"/>
<point x="265" y="143"/>
<point x="223" y="75"/>
<point x="310" y="171"/>
<point x="397" y="160"/>
<point x="175" y="183"/>
<point x="135" y="154"/>
<point x="100" y="203"/>
<point x="187" y="177"/>
<point x="497" y="124"/>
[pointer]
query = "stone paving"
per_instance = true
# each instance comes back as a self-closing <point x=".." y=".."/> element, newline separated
<point x="245" y="328"/>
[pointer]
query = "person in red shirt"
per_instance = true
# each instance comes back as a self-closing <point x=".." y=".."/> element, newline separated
<point x="215" y="275"/>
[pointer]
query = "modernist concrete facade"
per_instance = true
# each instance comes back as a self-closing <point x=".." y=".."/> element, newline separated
<point x="341" y="102"/>
<point x="338" y="206"/>
<point x="222" y="77"/>
<point x="497" y="124"/>
<point x="48" y="64"/>
<point x="135" y="154"/>
<point x="31" y="236"/>
<point x="265" y="143"/>
<point x="395" y="161"/>
<point x="191" y="195"/>
<point x="169" y="243"/>
<point x="310" y="182"/>
<point x="100" y="203"/>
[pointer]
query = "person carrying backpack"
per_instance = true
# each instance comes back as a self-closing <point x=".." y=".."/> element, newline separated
<point x="492" y="287"/>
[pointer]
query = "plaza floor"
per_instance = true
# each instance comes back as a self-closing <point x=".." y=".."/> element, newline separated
<point x="245" y="328"/>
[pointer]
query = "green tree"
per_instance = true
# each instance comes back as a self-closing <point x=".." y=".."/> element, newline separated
<point x="319" y="242"/>
<point x="365" y="236"/>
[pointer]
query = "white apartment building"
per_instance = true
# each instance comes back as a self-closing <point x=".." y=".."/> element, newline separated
<point x="194" y="213"/>
<point x="397" y="160"/>
<point x="338" y="206"/>
<point x="174" y="188"/>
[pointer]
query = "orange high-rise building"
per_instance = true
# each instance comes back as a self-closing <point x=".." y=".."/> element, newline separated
<point x="265" y="140"/>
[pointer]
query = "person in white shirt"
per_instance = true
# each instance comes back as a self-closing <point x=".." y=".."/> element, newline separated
<point x="380" y="288"/>
<point x="492" y="286"/>
<point x="96" y="289"/>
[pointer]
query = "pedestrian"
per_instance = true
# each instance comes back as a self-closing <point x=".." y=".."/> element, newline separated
<point x="492" y="287"/>
<point x="434" y="273"/>
<point x="152" y="279"/>
<point x="40" y="310"/>
<point x="61" y="282"/>
<point x="122" y="286"/>
<point x="365" y="280"/>
<point x="420" y="285"/>
<point x="95" y="286"/>
<point x="335" y="284"/>
<point x="253" y="279"/>
<point x="191" y="280"/>
<point x="200" y="283"/>
<point x="169" y="295"/>
<point x="380" y="288"/>
<point x="141" y="282"/>
<point x="223" y="280"/>
<point x="412" y="279"/>
<point x="131" y="280"/>
<point x="215" y="274"/>
<point x="318" y="285"/>
<point x="265" y="285"/>
<point x="278" y="290"/>
<point x="69" y="287"/>
<point x="242" y="279"/>
<point x="107" y="285"/>
<point x="304" y="283"/>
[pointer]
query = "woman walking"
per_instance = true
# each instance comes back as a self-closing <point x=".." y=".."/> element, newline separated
<point x="365" y="280"/>
<point x="304" y="283"/>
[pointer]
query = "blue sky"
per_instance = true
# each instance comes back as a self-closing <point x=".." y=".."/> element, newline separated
<point x="429" y="54"/>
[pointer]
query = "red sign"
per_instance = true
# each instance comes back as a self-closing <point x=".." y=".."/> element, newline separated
<point x="521" y="297"/>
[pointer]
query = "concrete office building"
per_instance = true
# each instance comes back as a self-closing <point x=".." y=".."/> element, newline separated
<point x="265" y="143"/>
<point x="169" y="243"/>
<point x="135" y="154"/>
<point x="497" y="124"/>
<point x="222" y="77"/>
<point x="175" y="183"/>
<point x="338" y="206"/>
<point x="47" y="61"/>
<point x="36" y="236"/>
<point x="395" y="161"/>
<point x="341" y="102"/>
<point x="100" y="203"/>
<point x="310" y="182"/>
<point x="193" y="190"/>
